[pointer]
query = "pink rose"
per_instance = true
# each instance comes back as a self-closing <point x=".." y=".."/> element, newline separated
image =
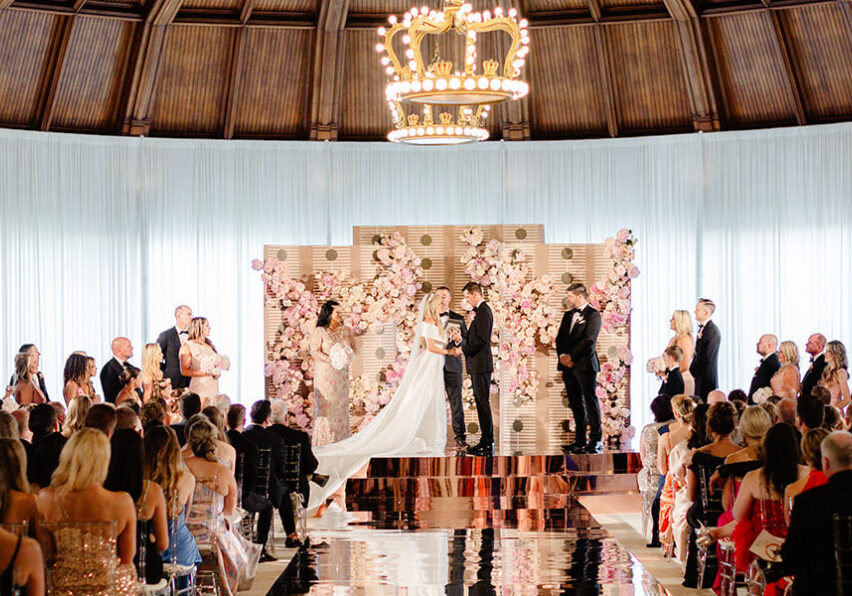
<point x="257" y="264"/>
<point x="634" y="272"/>
<point x="623" y="235"/>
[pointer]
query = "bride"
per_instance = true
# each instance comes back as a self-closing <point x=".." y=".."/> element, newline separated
<point x="414" y="422"/>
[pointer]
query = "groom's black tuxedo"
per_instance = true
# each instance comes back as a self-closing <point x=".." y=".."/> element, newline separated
<point x="453" y="377"/>
<point x="169" y="341"/>
<point x="705" y="361"/>
<point x="480" y="365"/>
<point x="769" y="365"/>
<point x="580" y="343"/>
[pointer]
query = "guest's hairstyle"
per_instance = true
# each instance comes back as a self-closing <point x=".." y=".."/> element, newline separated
<point x="201" y="436"/>
<point x="236" y="416"/>
<point x="22" y="366"/>
<point x="260" y="411"/>
<point x="152" y="356"/>
<point x="833" y="419"/>
<point x="772" y="410"/>
<point x="153" y="413"/>
<point x="91" y="365"/>
<point x="811" y="412"/>
<point x="101" y="417"/>
<point x="683" y="406"/>
<point x="740" y="406"/>
<point x="708" y="304"/>
<point x="787" y="411"/>
<point x="195" y="331"/>
<point x="133" y="405"/>
<point x="129" y="373"/>
<point x="42" y="419"/>
<point x="821" y="393"/>
<point x="790" y="353"/>
<point x="675" y="353"/>
<point x="781" y="458"/>
<point x="473" y="288"/>
<point x="125" y="418"/>
<point x="721" y="419"/>
<point x="22" y="417"/>
<point x="162" y="463"/>
<point x="279" y="411"/>
<point x="222" y="402"/>
<point x="75" y="369"/>
<point x="83" y="463"/>
<point x="190" y="405"/>
<point x="838" y="353"/>
<point x="837" y="448"/>
<point x="682" y="323"/>
<point x="661" y="407"/>
<point x="214" y="417"/>
<point x="738" y="395"/>
<point x="8" y="426"/>
<point x="324" y="316"/>
<point x="774" y="400"/>
<point x="126" y="463"/>
<point x="13" y="471"/>
<point x="754" y="423"/>
<point x="579" y="289"/>
<point x="698" y="429"/>
<point x="811" y="442"/>
<point x="25" y="348"/>
<point x="75" y="419"/>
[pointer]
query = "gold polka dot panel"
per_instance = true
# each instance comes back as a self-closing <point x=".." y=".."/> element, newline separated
<point x="425" y="239"/>
<point x="520" y="234"/>
<point x="331" y="254"/>
<point x="567" y="253"/>
<point x="282" y="255"/>
<point x="567" y="277"/>
<point x="427" y="287"/>
<point x="473" y="428"/>
<point x="426" y="263"/>
<point x="517" y="426"/>
<point x="380" y="353"/>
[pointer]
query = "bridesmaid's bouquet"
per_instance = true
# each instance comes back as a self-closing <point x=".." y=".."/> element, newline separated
<point x="656" y="365"/>
<point x="761" y="395"/>
<point x="340" y="356"/>
<point x="214" y="364"/>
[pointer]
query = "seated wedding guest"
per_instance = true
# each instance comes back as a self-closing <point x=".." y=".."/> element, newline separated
<point x="822" y="394"/>
<point x="833" y="419"/>
<point x="27" y="387"/>
<point x="75" y="419"/>
<point x="716" y="397"/>
<point x="672" y="378"/>
<point x="768" y="366"/>
<point x="816" y="348"/>
<point x="772" y="410"/>
<point x="290" y="436"/>
<point x="263" y="438"/>
<point x="122" y="350"/>
<point x="22" y="417"/>
<point x="153" y="382"/>
<point x="153" y="414"/>
<point x="202" y="462"/>
<point x="17" y="503"/>
<point x="126" y="473"/>
<point x="222" y="402"/>
<point x="91" y="371"/>
<point x="8" y="426"/>
<point x="127" y="418"/>
<point x="835" y="377"/>
<point x="650" y="478"/>
<point x="21" y="565"/>
<point x="76" y="494"/>
<point x="786" y="381"/>
<point x="680" y="458"/>
<point x="163" y="466"/>
<point x="224" y="450"/>
<point x="811" y="414"/>
<point x="251" y="501"/>
<point x="682" y="409"/>
<point x="811" y="453"/>
<point x="46" y="447"/>
<point x="190" y="405"/>
<point x="102" y="417"/>
<point x="787" y="411"/>
<point x="131" y="381"/>
<point x="75" y="377"/>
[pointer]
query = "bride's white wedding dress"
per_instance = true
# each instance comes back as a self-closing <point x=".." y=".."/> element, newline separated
<point x="414" y="422"/>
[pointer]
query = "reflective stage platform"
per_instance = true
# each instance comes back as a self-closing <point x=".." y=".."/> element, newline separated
<point x="508" y="524"/>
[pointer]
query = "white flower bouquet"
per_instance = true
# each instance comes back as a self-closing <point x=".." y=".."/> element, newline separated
<point x="214" y="364"/>
<point x="761" y="395"/>
<point x="340" y="356"/>
<point x="656" y="365"/>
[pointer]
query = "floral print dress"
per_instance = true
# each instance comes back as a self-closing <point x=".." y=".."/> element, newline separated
<point x="331" y="387"/>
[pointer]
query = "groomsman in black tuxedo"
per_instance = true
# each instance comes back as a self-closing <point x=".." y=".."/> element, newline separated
<point x="480" y="365"/>
<point x="457" y="335"/>
<point x="767" y="347"/>
<point x="576" y="344"/>
<point x="705" y="361"/>
<point x="32" y="349"/>
<point x="122" y="350"/>
<point x="816" y="348"/>
<point x="170" y="342"/>
<point x="673" y="379"/>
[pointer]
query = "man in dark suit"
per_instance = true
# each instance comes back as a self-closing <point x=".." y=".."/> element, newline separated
<point x="457" y="335"/>
<point x="122" y="350"/>
<point x="705" y="361"/>
<point x="290" y="436"/>
<point x="263" y="438"/>
<point x="576" y="344"/>
<point x="33" y="350"/>
<point x="190" y="405"/>
<point x="809" y="551"/>
<point x="47" y="444"/>
<point x="816" y="348"/>
<point x="480" y="364"/>
<point x="767" y="347"/>
<point x="170" y="342"/>
<point x="673" y="379"/>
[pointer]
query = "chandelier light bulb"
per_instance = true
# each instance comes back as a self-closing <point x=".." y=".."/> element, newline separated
<point x="392" y="19"/>
<point x="380" y="47"/>
<point x="513" y="13"/>
<point x="381" y="31"/>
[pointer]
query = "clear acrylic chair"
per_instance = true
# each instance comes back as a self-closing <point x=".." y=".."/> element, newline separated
<point x="202" y="521"/>
<point x="181" y="577"/>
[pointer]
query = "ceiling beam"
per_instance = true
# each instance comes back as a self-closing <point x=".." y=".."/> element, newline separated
<point x="58" y="51"/>
<point x="606" y="72"/>
<point x="4" y="4"/>
<point x="793" y="80"/>
<point x="232" y="92"/>
<point x="742" y="6"/>
<point x="89" y="9"/>
<point x="245" y="17"/>
<point x="327" y="74"/>
<point x="245" y="13"/>
<point x="514" y="114"/>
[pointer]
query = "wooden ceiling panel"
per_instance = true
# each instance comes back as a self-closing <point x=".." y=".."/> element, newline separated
<point x="533" y="6"/>
<point x="648" y="78"/>
<point x="193" y="76"/>
<point x="24" y="49"/>
<point x="365" y="113"/>
<point x="822" y="45"/>
<point x="214" y="4"/>
<point x="88" y="89"/>
<point x="273" y="97"/>
<point x="622" y="3"/>
<point x="311" y="6"/>
<point x="751" y="68"/>
<point x="566" y="93"/>
<point x="380" y="7"/>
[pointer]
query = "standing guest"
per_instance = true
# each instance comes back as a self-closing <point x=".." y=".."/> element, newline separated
<point x="17" y="503"/>
<point x="457" y="331"/>
<point x="76" y="417"/>
<point x="153" y="383"/>
<point x="200" y="360"/>
<point x="576" y="344"/>
<point x="672" y="378"/>
<point x="46" y="447"/>
<point x="190" y="405"/>
<point x="171" y="341"/>
<point x="102" y="417"/>
<point x="27" y="387"/>
<point x="681" y="324"/>
<point x="816" y="348"/>
<point x="39" y="377"/>
<point x="480" y="364"/>
<point x="91" y="371"/>
<point x="705" y="362"/>
<point x="769" y="364"/>
<point x="785" y="382"/>
<point x="331" y="385"/>
<point x="76" y="376"/>
<point x="111" y="383"/>
<point x="290" y="436"/>
<point x="835" y="376"/>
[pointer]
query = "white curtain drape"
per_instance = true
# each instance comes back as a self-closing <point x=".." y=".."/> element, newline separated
<point x="103" y="236"/>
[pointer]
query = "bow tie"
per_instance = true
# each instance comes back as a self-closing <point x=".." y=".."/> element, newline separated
<point x="445" y="314"/>
<point x="183" y="332"/>
<point x="700" y="326"/>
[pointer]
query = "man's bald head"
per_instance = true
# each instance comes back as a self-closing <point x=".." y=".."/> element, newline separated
<point x="837" y="452"/>
<point x="816" y="344"/>
<point x="122" y="349"/>
<point x="767" y="344"/>
<point x="716" y="397"/>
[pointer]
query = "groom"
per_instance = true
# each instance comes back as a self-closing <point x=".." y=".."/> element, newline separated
<point x="453" y="364"/>
<point x="480" y="365"/>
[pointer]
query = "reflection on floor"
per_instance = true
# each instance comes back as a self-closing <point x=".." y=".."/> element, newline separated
<point x="462" y="525"/>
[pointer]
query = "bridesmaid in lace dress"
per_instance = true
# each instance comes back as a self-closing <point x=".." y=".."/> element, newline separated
<point x="331" y="386"/>
<point x="193" y="353"/>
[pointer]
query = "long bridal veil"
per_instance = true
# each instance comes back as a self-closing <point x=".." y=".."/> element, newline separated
<point x="401" y="428"/>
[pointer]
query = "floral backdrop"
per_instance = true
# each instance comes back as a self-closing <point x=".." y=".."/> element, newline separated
<point x="525" y="321"/>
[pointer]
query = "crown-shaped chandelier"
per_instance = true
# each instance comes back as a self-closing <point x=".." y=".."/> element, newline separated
<point x="416" y="82"/>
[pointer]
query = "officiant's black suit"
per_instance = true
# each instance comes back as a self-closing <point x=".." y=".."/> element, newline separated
<point x="453" y="377"/>
<point x="169" y="341"/>
<point x="672" y="383"/>
<point x="769" y="365"/>
<point x="704" y="367"/>
<point x="813" y="375"/>
<point x="580" y="343"/>
<point x="480" y="365"/>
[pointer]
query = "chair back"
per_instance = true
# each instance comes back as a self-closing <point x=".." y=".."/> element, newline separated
<point x="202" y="519"/>
<point x="80" y="557"/>
<point x="843" y="552"/>
<point x="292" y="465"/>
<point x="141" y="548"/>
<point x="264" y="468"/>
<point x="17" y="528"/>
<point x="239" y="475"/>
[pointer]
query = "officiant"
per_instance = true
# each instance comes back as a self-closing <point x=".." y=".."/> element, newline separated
<point x="456" y="328"/>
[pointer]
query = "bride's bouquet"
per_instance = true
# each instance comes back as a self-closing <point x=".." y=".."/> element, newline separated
<point x="340" y="356"/>
<point x="656" y="365"/>
<point x="214" y="364"/>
